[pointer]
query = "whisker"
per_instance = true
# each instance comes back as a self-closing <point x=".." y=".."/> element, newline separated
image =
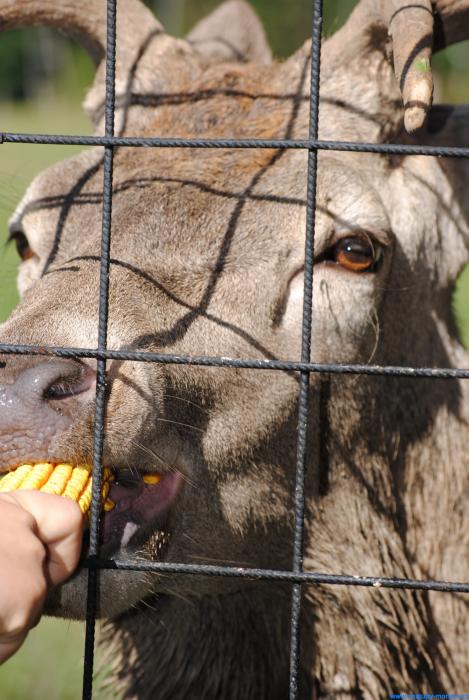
<point x="184" y="425"/>
<point x="153" y="454"/>
<point x="178" y="594"/>
<point x="190" y="538"/>
<point x="219" y="560"/>
<point x="171" y="467"/>
<point x="208" y="559"/>
<point x="191" y="403"/>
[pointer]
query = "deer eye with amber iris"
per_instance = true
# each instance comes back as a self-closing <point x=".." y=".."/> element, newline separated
<point x="356" y="253"/>
<point x="23" y="248"/>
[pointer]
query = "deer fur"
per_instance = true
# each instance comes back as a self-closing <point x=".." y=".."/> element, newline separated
<point x="207" y="259"/>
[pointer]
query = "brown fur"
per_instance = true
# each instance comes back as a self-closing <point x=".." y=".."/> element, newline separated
<point x="207" y="254"/>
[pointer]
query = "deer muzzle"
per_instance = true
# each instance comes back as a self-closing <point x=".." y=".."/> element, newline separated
<point x="38" y="403"/>
<point x="30" y="418"/>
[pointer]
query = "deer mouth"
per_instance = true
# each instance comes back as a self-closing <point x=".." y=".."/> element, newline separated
<point x="136" y="505"/>
<point x="139" y="514"/>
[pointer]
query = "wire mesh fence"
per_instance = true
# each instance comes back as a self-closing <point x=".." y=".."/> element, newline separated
<point x="297" y="576"/>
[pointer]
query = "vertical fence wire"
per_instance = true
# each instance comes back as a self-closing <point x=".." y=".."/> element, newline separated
<point x="303" y="399"/>
<point x="101" y="388"/>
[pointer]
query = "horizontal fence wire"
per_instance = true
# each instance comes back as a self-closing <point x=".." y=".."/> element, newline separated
<point x="237" y="363"/>
<point x="307" y="144"/>
<point x="305" y="577"/>
<point x="296" y="576"/>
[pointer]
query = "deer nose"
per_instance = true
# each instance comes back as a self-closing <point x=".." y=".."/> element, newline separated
<point x="28" y="420"/>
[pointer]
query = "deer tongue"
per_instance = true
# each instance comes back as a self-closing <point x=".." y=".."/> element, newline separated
<point x="141" y="510"/>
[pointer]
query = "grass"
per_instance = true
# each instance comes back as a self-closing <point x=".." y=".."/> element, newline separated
<point x="21" y="162"/>
<point x="461" y="306"/>
<point x="50" y="663"/>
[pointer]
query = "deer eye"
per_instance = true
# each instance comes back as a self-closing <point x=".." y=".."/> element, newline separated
<point x="23" y="248"/>
<point x="358" y="253"/>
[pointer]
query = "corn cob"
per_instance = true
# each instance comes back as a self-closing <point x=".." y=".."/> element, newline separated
<point x="60" y="479"/>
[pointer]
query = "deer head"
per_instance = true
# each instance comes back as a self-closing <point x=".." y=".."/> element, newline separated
<point x="207" y="259"/>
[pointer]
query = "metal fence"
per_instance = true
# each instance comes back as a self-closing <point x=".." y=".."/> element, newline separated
<point x="297" y="577"/>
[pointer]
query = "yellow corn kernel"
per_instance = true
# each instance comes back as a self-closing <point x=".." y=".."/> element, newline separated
<point x="59" y="479"/>
<point x="105" y="491"/>
<point x="38" y="476"/>
<point x="77" y="482"/>
<point x="85" y="499"/>
<point x="151" y="478"/>
<point x="108" y="475"/>
<point x="13" y="480"/>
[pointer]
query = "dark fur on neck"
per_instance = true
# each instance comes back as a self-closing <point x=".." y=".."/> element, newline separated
<point x="228" y="646"/>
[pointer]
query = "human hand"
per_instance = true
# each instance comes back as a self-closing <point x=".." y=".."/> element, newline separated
<point x="40" y="543"/>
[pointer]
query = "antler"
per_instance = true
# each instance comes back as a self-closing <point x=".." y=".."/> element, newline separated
<point x="416" y="29"/>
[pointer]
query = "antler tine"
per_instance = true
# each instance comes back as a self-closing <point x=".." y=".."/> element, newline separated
<point x="410" y="25"/>
<point x="416" y="28"/>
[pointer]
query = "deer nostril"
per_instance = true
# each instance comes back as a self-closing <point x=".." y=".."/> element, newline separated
<point x="48" y="381"/>
<point x="77" y="380"/>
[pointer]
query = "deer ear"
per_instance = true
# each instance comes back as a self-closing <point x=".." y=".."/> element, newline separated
<point x="448" y="125"/>
<point x="233" y="32"/>
<point x="143" y="50"/>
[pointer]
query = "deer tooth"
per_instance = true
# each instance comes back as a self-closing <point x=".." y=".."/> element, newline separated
<point x="151" y="478"/>
<point x="129" y="530"/>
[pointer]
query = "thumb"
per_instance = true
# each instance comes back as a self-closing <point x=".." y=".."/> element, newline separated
<point x="59" y="526"/>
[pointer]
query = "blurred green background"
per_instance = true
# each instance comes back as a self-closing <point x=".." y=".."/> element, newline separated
<point x="43" y="79"/>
